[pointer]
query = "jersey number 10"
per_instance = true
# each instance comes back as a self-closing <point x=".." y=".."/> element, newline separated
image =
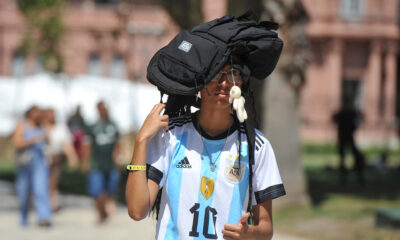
<point x="195" y="211"/>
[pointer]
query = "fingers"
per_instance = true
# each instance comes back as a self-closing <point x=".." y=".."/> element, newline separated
<point x="230" y="235"/>
<point x="164" y="118"/>
<point x="164" y="125"/>
<point x="235" y="231"/>
<point x="243" y="219"/>
<point x="232" y="228"/>
<point x="158" y="108"/>
<point x="227" y="238"/>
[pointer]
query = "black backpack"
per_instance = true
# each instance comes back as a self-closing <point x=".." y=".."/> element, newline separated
<point x="194" y="57"/>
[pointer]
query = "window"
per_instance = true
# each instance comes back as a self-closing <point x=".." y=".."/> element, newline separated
<point x="94" y="66"/>
<point x="352" y="10"/>
<point x="18" y="65"/>
<point x="39" y="65"/>
<point x="117" y="68"/>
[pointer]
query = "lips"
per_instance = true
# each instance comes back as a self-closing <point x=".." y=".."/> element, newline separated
<point x="222" y="94"/>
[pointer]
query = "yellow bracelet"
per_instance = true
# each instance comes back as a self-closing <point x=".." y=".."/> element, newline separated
<point x="131" y="168"/>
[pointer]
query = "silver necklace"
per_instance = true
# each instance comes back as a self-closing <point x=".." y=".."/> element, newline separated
<point x="212" y="163"/>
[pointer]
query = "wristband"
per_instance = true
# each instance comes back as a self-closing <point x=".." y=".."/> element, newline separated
<point x="131" y="168"/>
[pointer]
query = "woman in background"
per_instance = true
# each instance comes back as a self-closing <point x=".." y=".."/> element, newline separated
<point x="59" y="148"/>
<point x="32" y="168"/>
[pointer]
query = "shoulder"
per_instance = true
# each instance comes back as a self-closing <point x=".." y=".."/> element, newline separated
<point x="179" y="122"/>
<point x="261" y="140"/>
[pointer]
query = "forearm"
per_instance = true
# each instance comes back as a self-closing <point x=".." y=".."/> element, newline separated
<point x="137" y="190"/>
<point x="23" y="143"/>
<point x="69" y="151"/>
<point x="86" y="154"/>
<point x="262" y="231"/>
<point x="20" y="142"/>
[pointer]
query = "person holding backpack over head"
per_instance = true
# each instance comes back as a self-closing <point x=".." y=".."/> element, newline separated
<point x="217" y="173"/>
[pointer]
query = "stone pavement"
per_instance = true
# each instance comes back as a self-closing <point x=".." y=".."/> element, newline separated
<point x="76" y="220"/>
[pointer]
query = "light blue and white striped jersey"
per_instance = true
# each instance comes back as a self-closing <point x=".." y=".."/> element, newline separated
<point x="196" y="201"/>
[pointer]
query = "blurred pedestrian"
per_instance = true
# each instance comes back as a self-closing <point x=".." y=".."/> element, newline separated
<point x="104" y="151"/>
<point x="32" y="168"/>
<point x="77" y="126"/>
<point x="348" y="119"/>
<point x="59" y="149"/>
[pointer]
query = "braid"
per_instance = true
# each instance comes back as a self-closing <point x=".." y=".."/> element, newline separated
<point x="250" y="133"/>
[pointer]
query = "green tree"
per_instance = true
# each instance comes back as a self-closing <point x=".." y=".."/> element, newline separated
<point x="44" y="31"/>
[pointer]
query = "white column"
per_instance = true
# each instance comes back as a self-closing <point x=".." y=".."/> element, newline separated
<point x="372" y="85"/>
<point x="390" y="85"/>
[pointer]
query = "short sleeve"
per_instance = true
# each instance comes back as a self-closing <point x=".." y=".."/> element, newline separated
<point x="267" y="182"/>
<point x="158" y="155"/>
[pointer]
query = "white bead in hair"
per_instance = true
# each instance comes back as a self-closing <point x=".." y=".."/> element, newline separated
<point x="238" y="103"/>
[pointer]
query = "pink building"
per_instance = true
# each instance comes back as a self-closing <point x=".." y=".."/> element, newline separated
<point x="101" y="38"/>
<point x="355" y="55"/>
<point x="354" y="46"/>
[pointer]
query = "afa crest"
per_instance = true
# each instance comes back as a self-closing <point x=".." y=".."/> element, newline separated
<point x="235" y="172"/>
<point x="206" y="187"/>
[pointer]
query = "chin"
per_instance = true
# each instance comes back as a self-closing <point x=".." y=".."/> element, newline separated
<point x="223" y="103"/>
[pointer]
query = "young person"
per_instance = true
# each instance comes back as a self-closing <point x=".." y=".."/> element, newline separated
<point x="201" y="162"/>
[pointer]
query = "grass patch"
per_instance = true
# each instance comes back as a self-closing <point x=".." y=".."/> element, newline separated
<point x="337" y="211"/>
<point x="342" y="211"/>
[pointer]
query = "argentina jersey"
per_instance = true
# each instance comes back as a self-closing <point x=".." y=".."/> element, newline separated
<point x="205" y="180"/>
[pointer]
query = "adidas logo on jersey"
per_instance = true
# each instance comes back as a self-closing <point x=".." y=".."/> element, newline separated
<point x="184" y="163"/>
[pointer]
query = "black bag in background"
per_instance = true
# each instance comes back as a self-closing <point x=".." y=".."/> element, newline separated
<point x="193" y="58"/>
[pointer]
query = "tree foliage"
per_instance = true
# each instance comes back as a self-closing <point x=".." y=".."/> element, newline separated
<point x="45" y="28"/>
<point x="186" y="13"/>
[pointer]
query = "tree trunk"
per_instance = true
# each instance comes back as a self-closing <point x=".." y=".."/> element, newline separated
<point x="280" y="107"/>
<point x="280" y="124"/>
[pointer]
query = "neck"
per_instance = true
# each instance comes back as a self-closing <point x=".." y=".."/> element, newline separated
<point x="214" y="122"/>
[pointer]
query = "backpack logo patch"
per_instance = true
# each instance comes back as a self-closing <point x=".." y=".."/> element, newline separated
<point x="184" y="163"/>
<point x="185" y="46"/>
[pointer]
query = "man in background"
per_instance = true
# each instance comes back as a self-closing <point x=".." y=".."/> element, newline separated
<point x="103" y="151"/>
<point x="348" y="119"/>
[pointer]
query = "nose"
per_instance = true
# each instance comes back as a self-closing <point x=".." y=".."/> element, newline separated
<point x="224" y="80"/>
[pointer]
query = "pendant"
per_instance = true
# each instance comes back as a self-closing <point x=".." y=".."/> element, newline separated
<point x="212" y="167"/>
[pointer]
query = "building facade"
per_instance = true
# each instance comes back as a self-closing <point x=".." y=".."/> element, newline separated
<point x="102" y="38"/>
<point x="354" y="55"/>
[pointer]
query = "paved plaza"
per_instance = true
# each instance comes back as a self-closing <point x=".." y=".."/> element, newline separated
<point x="76" y="220"/>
